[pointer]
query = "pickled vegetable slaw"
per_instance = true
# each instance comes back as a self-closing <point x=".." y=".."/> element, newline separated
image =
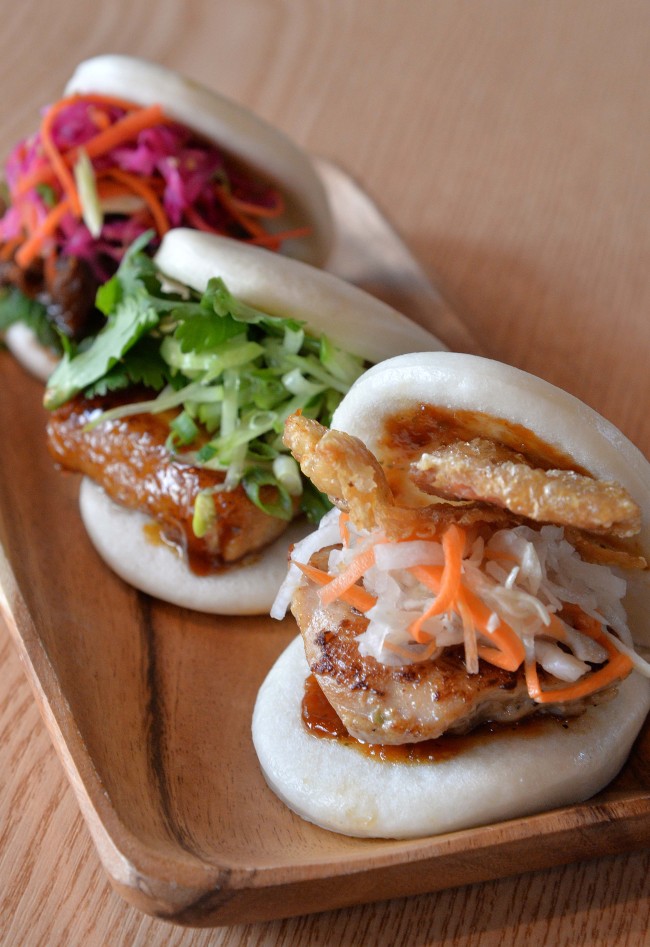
<point x="518" y="597"/>
<point x="100" y="171"/>
<point x="231" y="373"/>
<point x="98" y="174"/>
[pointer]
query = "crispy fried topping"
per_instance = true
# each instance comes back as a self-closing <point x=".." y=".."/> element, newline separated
<point x="484" y="471"/>
<point x="342" y="467"/>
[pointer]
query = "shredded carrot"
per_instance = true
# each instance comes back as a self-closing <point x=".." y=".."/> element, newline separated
<point x="124" y="129"/>
<point x="555" y="628"/>
<point x="351" y="575"/>
<point x="497" y="658"/>
<point x="504" y="648"/>
<point x="32" y="246"/>
<point x="56" y="168"/>
<point x="272" y="239"/>
<point x="617" y="667"/>
<point x="403" y="652"/>
<point x="195" y="219"/>
<point x="252" y="227"/>
<point x="60" y="168"/>
<point x="7" y="249"/>
<point x="356" y="596"/>
<point x="497" y="554"/>
<point x="142" y="189"/>
<point x="453" y="546"/>
<point x="259" y="210"/>
<point x="469" y="635"/>
<point x="503" y="637"/>
<point x="344" y="528"/>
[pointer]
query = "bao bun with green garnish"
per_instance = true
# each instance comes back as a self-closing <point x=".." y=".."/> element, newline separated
<point x="176" y="411"/>
<point x="473" y="611"/>
<point x="132" y="147"/>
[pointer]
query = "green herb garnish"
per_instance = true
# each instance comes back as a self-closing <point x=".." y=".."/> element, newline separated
<point x="232" y="372"/>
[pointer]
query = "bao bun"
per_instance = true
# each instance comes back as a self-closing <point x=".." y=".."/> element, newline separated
<point x="504" y="775"/>
<point x="352" y="318"/>
<point x="468" y="382"/>
<point x="120" y="537"/>
<point x="496" y="778"/>
<point x="241" y="134"/>
<point x="279" y="286"/>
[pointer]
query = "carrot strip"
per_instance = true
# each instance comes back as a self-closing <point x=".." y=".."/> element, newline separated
<point x="431" y="576"/>
<point x="618" y="667"/>
<point x="532" y="679"/>
<point x="124" y="129"/>
<point x="359" y="565"/>
<point x="59" y="167"/>
<point x="32" y="246"/>
<point x="259" y="210"/>
<point x="119" y="132"/>
<point x="453" y="546"/>
<point x="503" y="637"/>
<point x="497" y="555"/>
<point x="270" y="239"/>
<point x="356" y="596"/>
<point x="615" y="669"/>
<point x="7" y="249"/>
<point x="496" y="657"/>
<point x="142" y="189"/>
<point x="555" y="629"/>
<point x="197" y="221"/>
<point x="469" y="636"/>
<point x="251" y="226"/>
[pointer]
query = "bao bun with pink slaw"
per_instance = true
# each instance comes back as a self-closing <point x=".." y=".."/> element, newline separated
<point x="135" y="147"/>
<point x="531" y="664"/>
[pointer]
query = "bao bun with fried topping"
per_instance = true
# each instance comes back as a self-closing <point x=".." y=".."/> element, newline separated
<point x="282" y="287"/>
<point x="508" y="773"/>
<point x="259" y="148"/>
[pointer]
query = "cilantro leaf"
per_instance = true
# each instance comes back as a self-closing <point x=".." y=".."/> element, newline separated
<point x="141" y="365"/>
<point x="133" y="317"/>
<point x="205" y="331"/>
<point x="221" y="300"/>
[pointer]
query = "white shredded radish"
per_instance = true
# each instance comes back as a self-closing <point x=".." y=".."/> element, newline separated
<point x="406" y="555"/>
<point x="327" y="534"/>
<point x="557" y="662"/>
<point x="523" y="575"/>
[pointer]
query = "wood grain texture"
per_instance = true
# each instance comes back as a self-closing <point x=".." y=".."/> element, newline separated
<point x="508" y="142"/>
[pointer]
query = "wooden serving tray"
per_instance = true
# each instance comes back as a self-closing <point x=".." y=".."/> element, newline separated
<point x="149" y="707"/>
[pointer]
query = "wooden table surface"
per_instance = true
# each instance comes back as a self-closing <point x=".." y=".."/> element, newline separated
<point x="508" y="142"/>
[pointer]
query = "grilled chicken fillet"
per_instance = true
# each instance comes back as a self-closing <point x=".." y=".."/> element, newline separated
<point x="128" y="458"/>
<point x="393" y="705"/>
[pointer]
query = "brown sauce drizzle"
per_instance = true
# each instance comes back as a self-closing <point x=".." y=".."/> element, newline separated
<point x="424" y="428"/>
<point x="410" y="433"/>
<point x="321" y="720"/>
<point x="198" y="563"/>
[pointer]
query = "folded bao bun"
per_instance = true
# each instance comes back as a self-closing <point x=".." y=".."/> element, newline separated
<point x="465" y="382"/>
<point x="120" y="537"/>
<point x="502" y="775"/>
<point x="258" y="146"/>
<point x="282" y="287"/>
<point x="352" y="318"/>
